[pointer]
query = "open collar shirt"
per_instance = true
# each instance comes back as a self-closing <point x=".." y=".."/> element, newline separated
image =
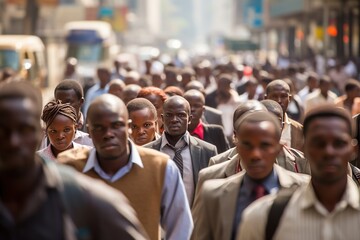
<point x="176" y="217"/>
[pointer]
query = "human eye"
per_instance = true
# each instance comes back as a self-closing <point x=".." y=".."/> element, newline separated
<point x="339" y="143"/>
<point x="117" y="125"/>
<point x="181" y="115"/>
<point x="67" y="130"/>
<point x="97" y="128"/>
<point x="265" y="145"/>
<point x="147" y="125"/>
<point x="245" y="145"/>
<point x="168" y="115"/>
<point x="133" y="127"/>
<point x="52" y="131"/>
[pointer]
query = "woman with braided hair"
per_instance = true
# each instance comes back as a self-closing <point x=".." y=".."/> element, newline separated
<point x="61" y="124"/>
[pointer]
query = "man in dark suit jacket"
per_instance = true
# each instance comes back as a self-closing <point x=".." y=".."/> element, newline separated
<point x="209" y="133"/>
<point x="189" y="153"/>
<point x="212" y="116"/>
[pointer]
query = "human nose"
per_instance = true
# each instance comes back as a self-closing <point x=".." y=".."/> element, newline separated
<point x="108" y="133"/>
<point x="255" y="154"/>
<point x="329" y="150"/>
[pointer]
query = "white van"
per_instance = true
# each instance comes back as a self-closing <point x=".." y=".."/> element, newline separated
<point x="25" y="55"/>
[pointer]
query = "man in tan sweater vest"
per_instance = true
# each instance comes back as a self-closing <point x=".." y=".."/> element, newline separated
<point x="149" y="179"/>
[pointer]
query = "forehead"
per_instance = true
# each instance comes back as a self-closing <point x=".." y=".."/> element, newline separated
<point x="327" y="126"/>
<point x="106" y="112"/>
<point x="194" y="98"/>
<point x="277" y="88"/>
<point x="256" y="129"/>
<point x="176" y="105"/>
<point x="17" y="110"/>
<point x="142" y="114"/>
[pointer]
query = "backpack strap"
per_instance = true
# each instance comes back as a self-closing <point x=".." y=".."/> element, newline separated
<point x="355" y="174"/>
<point x="277" y="208"/>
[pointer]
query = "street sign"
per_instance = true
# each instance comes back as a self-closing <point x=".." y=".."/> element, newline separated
<point x="253" y="13"/>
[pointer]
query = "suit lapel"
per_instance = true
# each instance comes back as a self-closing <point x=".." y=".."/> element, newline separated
<point x="157" y="144"/>
<point x="230" y="168"/>
<point x="195" y="154"/>
<point x="227" y="203"/>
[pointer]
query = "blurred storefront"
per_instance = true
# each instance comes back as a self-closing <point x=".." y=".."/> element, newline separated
<point x="303" y="28"/>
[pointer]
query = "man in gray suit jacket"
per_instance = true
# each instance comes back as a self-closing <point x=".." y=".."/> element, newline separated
<point x="189" y="153"/>
<point x="217" y="212"/>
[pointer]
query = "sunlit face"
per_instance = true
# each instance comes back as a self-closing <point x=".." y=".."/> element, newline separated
<point x="108" y="127"/>
<point x="143" y="126"/>
<point x="258" y="145"/>
<point x="61" y="133"/>
<point x="69" y="96"/>
<point x="176" y="117"/>
<point x="280" y="95"/>
<point x="20" y="134"/>
<point x="329" y="148"/>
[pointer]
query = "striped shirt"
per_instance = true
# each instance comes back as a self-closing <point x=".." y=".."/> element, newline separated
<point x="306" y="218"/>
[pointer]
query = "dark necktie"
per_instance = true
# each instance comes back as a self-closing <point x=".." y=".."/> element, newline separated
<point x="178" y="158"/>
<point x="259" y="191"/>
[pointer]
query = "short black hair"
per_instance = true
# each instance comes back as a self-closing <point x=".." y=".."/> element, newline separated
<point x="69" y="84"/>
<point x="248" y="106"/>
<point x="22" y="90"/>
<point x="272" y="106"/>
<point x="326" y="111"/>
<point x="351" y="84"/>
<point x="140" y="104"/>
<point x="256" y="117"/>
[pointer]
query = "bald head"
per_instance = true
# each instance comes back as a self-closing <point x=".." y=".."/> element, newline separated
<point x="195" y="85"/>
<point x="277" y="84"/>
<point x="106" y="102"/>
<point x="194" y="94"/>
<point x="177" y="100"/>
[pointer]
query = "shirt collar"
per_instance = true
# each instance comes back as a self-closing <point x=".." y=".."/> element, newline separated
<point x="93" y="162"/>
<point x="351" y="196"/>
<point x="270" y="183"/>
<point x="287" y="119"/>
<point x="199" y="130"/>
<point x="164" y="141"/>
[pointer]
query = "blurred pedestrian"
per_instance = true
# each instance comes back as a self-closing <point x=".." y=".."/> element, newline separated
<point x="328" y="206"/>
<point x="42" y="200"/>
<point x="222" y="201"/>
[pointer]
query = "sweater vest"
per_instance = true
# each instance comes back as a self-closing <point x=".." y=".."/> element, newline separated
<point x="142" y="186"/>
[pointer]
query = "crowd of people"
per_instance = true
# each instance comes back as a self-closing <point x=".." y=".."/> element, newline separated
<point x="225" y="151"/>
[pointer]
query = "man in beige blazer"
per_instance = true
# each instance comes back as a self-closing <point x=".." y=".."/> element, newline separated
<point x="217" y="211"/>
<point x="248" y="106"/>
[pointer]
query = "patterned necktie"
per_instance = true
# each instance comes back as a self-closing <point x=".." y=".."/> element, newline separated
<point x="259" y="191"/>
<point x="178" y="158"/>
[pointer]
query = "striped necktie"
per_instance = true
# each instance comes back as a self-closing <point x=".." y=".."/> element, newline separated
<point x="177" y="157"/>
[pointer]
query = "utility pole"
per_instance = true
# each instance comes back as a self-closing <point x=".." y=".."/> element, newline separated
<point x="31" y="17"/>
